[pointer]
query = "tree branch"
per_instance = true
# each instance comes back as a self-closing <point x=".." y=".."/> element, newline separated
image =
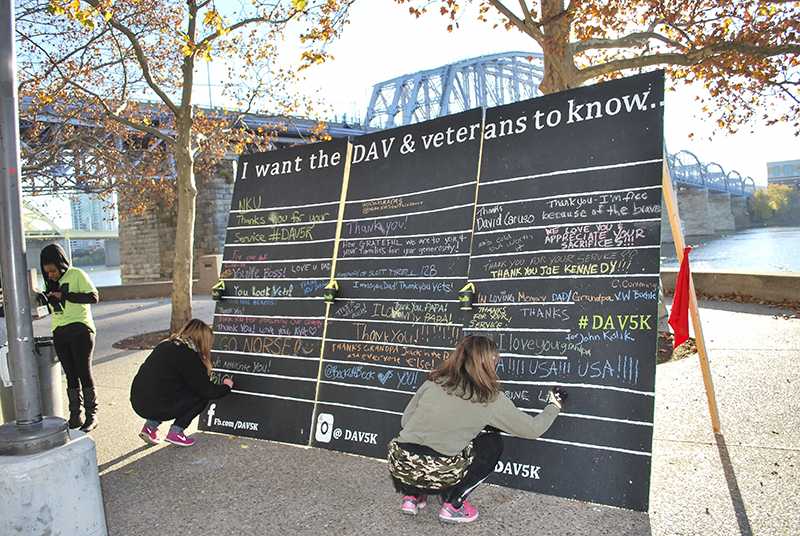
<point x="141" y="57"/>
<point x="693" y="57"/>
<point x="636" y="39"/>
<point x="532" y="30"/>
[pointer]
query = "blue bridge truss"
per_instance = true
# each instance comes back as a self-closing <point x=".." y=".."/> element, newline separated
<point x="498" y="79"/>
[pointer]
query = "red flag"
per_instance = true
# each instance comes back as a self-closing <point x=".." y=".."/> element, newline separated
<point x="679" y="315"/>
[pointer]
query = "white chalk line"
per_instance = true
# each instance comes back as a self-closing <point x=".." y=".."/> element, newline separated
<point x="406" y="214"/>
<point x="574" y="276"/>
<point x="532" y="330"/>
<point x="581" y="386"/>
<point x="491" y="304"/>
<point x="576" y="194"/>
<point x="269" y="225"/>
<point x="411" y="322"/>
<point x="267" y="298"/>
<point x="269" y="335"/>
<point x="489" y="182"/>
<point x="422" y="278"/>
<point x="342" y="259"/>
<point x="272" y="316"/>
<point x="287" y="207"/>
<point x="397" y="300"/>
<point x="267" y="375"/>
<point x="261" y="354"/>
<point x="324" y="259"/>
<point x="555" y="225"/>
<point x="364" y="364"/>
<point x="395" y="237"/>
<point x="593" y="417"/>
<point x="531" y="252"/>
<point x="418" y="192"/>
<point x="265" y="395"/>
<point x="275" y="279"/>
<point x="391" y="344"/>
<point x="251" y="244"/>
<point x="370" y="387"/>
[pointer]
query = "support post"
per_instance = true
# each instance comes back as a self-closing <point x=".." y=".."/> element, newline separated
<point x="671" y="202"/>
<point x="31" y="433"/>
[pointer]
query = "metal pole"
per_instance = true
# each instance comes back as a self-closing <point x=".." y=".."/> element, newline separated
<point x="32" y="433"/>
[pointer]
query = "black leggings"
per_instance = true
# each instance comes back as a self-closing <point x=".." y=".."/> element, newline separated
<point x="184" y="412"/>
<point x="74" y="344"/>
<point x="486" y="451"/>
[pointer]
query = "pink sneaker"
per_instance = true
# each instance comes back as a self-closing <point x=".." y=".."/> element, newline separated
<point x="150" y="435"/>
<point x="466" y="514"/>
<point x="179" y="439"/>
<point x="412" y="505"/>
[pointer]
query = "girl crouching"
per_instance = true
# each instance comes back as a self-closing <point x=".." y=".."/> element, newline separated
<point x="174" y="382"/>
<point x="449" y="442"/>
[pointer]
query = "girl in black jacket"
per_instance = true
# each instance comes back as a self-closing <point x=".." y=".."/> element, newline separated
<point x="174" y="382"/>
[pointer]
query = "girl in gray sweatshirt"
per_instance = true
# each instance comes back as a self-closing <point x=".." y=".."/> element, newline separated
<point x="443" y="447"/>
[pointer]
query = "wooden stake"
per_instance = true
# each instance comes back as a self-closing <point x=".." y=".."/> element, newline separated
<point x="671" y="202"/>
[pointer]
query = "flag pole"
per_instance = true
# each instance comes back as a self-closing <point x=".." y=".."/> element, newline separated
<point x="671" y="202"/>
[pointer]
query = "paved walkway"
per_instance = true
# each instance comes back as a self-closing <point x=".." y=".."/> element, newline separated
<point x="744" y="482"/>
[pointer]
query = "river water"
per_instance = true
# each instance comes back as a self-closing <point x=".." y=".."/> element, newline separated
<point x="766" y="249"/>
<point x="769" y="249"/>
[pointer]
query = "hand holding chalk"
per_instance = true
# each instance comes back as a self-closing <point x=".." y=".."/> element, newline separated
<point x="228" y="382"/>
<point x="557" y="396"/>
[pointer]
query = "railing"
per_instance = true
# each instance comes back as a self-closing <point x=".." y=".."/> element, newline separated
<point x="686" y="169"/>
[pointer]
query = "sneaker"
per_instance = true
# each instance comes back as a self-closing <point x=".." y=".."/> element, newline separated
<point x="179" y="439"/>
<point x="149" y="435"/>
<point x="466" y="514"/>
<point x="412" y="505"/>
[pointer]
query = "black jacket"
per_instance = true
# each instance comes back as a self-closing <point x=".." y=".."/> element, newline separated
<point x="171" y="376"/>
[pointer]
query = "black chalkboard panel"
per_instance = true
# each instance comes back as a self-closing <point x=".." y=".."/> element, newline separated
<point x="402" y="258"/>
<point x="565" y="258"/>
<point x="278" y="256"/>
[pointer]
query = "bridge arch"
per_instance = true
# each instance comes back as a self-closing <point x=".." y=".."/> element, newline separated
<point x="484" y="81"/>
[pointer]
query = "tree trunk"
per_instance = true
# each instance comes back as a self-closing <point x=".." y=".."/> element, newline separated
<point x="184" y="232"/>
<point x="560" y="72"/>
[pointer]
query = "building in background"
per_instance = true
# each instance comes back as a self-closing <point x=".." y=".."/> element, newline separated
<point x="784" y="172"/>
<point x="91" y="212"/>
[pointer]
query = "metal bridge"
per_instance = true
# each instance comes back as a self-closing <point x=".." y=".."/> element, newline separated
<point x="477" y="82"/>
<point x="498" y="79"/>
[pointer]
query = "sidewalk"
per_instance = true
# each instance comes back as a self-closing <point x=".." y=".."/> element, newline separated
<point x="745" y="482"/>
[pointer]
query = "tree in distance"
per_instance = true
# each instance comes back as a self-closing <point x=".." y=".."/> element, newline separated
<point x="745" y="53"/>
<point x="88" y="66"/>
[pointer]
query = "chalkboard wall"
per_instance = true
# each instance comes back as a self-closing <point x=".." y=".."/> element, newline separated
<point x="551" y="207"/>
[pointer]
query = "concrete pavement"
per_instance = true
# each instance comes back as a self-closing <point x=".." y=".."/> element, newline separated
<point x="744" y="482"/>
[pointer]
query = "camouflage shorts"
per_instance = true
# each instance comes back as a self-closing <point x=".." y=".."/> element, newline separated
<point x="428" y="472"/>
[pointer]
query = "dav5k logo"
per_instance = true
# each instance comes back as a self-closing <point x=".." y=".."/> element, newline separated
<point x="213" y="420"/>
<point x="325" y="431"/>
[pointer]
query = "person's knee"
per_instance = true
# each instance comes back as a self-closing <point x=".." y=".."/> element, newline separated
<point x="489" y="446"/>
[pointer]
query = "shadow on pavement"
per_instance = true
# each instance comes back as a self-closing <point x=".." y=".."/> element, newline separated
<point x="131" y="310"/>
<point x="230" y="485"/>
<point x="733" y="487"/>
<point x="122" y="458"/>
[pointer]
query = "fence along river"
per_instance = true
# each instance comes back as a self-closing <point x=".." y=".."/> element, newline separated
<point x="560" y="234"/>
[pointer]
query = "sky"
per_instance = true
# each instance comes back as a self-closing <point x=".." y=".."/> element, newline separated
<point x="383" y="41"/>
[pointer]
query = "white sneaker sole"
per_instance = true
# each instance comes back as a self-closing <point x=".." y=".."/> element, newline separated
<point x="178" y="444"/>
<point x="457" y="520"/>
<point x="149" y="440"/>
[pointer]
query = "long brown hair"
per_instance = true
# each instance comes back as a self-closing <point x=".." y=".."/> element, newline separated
<point x="201" y="335"/>
<point x="470" y="370"/>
